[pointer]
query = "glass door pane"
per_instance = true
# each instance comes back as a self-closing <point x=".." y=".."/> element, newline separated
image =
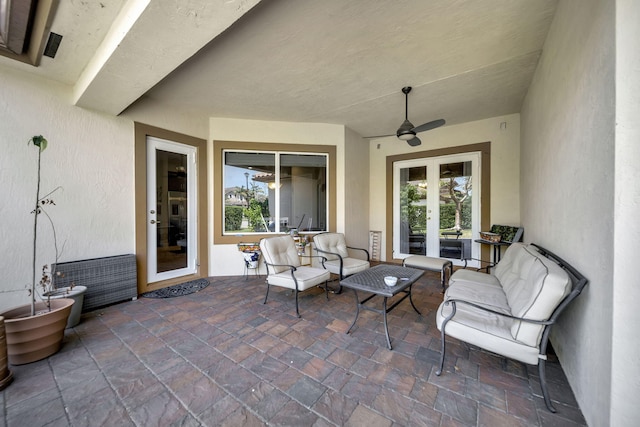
<point x="456" y="201"/>
<point x="171" y="202"/>
<point x="413" y="210"/>
<point x="172" y="206"/>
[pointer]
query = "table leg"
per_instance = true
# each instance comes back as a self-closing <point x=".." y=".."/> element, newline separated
<point x="386" y="329"/>
<point x="357" y="311"/>
<point x="411" y="301"/>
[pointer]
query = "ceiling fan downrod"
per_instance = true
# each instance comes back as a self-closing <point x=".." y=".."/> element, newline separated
<point x="405" y="131"/>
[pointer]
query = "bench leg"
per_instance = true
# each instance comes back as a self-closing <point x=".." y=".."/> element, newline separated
<point x="442" y="341"/>
<point x="543" y="385"/>
<point x="447" y="266"/>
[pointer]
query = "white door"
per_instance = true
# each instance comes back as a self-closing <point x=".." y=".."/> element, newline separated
<point x="436" y="207"/>
<point x="171" y="210"/>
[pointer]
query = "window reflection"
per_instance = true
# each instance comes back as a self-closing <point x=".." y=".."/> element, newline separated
<point x="274" y="192"/>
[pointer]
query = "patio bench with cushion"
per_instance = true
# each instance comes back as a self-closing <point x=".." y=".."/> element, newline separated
<point x="510" y="312"/>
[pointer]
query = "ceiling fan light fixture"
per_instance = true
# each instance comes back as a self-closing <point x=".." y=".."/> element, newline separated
<point x="406" y="136"/>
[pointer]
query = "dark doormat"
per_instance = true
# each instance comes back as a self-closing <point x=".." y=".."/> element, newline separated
<point x="178" y="290"/>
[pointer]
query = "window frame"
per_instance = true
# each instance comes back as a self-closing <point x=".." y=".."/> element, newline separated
<point x="219" y="147"/>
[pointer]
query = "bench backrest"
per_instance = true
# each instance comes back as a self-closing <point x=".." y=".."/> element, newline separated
<point x="534" y="285"/>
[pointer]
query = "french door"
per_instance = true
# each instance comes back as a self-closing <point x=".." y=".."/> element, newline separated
<point x="171" y="210"/>
<point x="436" y="207"/>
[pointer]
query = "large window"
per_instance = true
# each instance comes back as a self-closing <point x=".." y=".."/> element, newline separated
<point x="274" y="191"/>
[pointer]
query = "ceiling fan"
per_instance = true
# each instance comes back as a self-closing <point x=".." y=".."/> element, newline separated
<point x="406" y="131"/>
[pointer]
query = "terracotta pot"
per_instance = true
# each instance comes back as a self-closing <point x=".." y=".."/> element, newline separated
<point x="33" y="338"/>
<point x="5" y="374"/>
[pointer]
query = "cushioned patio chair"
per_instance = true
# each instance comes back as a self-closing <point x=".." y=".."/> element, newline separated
<point x="333" y="246"/>
<point x="283" y="267"/>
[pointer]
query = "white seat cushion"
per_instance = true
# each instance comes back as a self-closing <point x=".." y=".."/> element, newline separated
<point x="488" y="331"/>
<point x="470" y="276"/>
<point x="307" y="277"/>
<point x="425" y="262"/>
<point x="349" y="266"/>
<point x="487" y="295"/>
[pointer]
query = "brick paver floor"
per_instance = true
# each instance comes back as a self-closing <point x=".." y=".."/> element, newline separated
<point x="221" y="357"/>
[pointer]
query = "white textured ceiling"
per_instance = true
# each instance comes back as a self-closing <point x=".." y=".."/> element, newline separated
<point x="327" y="61"/>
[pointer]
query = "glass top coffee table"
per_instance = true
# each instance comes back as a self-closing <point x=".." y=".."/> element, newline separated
<point x="372" y="280"/>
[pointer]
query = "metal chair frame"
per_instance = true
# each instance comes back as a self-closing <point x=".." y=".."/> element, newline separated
<point x="293" y="269"/>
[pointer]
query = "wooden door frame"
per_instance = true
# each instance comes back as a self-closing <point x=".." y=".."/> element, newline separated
<point x="485" y="194"/>
<point x="142" y="131"/>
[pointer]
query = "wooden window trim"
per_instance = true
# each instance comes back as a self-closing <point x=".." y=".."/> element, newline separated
<point x="218" y="191"/>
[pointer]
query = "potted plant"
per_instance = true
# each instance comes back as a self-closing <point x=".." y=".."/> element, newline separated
<point x="73" y="291"/>
<point x="5" y="374"/>
<point x="35" y="331"/>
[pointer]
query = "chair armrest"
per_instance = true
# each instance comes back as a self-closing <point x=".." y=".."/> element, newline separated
<point x="330" y="253"/>
<point x="489" y="264"/>
<point x="322" y="259"/>
<point x="486" y="268"/>
<point x="360" y="249"/>
<point x="455" y="301"/>
<point x="292" y="267"/>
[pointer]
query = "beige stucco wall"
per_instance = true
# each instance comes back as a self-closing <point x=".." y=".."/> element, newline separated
<point x="89" y="155"/>
<point x="225" y="260"/>
<point x="568" y="182"/>
<point x="356" y="191"/>
<point x="504" y="134"/>
<point x="625" y="367"/>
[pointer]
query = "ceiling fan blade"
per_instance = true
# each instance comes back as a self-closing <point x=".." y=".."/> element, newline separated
<point x="428" y="126"/>
<point x="378" y="136"/>
<point x="414" y="142"/>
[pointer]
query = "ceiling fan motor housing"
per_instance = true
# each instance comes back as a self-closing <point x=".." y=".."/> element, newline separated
<point x="405" y="131"/>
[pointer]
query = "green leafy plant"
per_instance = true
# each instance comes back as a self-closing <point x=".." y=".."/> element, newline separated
<point x="254" y="215"/>
<point x="232" y="218"/>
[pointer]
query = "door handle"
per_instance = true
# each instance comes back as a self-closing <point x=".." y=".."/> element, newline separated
<point x="153" y="221"/>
